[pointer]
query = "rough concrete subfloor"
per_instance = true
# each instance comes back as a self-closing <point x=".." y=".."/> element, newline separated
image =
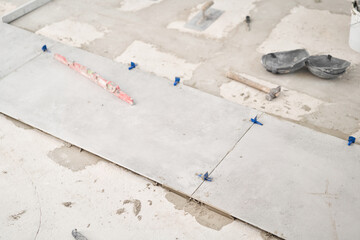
<point x="169" y="147"/>
<point x="337" y="114"/>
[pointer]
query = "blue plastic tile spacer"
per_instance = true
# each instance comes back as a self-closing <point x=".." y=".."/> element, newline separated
<point x="351" y="140"/>
<point x="205" y="177"/>
<point x="44" y="48"/>
<point x="132" y="65"/>
<point x="255" y="121"/>
<point x="177" y="80"/>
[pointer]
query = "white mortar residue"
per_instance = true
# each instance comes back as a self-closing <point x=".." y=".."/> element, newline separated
<point x="136" y="5"/>
<point x="151" y="59"/>
<point x="71" y="32"/>
<point x="6" y="7"/>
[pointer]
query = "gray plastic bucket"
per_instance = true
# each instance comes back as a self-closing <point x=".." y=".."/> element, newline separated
<point x="354" y="37"/>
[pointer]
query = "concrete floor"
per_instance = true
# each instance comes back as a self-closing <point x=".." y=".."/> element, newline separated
<point x="330" y="106"/>
<point x="53" y="187"/>
<point x="335" y="109"/>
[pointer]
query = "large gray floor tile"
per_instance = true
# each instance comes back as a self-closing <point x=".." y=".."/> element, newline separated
<point x="289" y="180"/>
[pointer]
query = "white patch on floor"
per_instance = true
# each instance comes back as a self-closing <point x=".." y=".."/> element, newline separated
<point x="319" y="31"/>
<point x="136" y="5"/>
<point x="6" y="7"/>
<point x="235" y="12"/>
<point x="71" y="32"/>
<point x="149" y="58"/>
<point x="290" y="104"/>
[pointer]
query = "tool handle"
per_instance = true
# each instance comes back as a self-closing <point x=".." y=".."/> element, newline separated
<point x="207" y="5"/>
<point x="239" y="78"/>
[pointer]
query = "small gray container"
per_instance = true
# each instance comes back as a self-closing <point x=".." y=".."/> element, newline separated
<point x="285" y="62"/>
<point x="326" y="66"/>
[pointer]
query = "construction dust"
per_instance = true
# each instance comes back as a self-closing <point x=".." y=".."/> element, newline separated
<point x="203" y="215"/>
<point x="120" y="211"/>
<point x="17" y="123"/>
<point x="306" y="108"/>
<point x="136" y="205"/>
<point x="18" y="215"/>
<point x="67" y="204"/>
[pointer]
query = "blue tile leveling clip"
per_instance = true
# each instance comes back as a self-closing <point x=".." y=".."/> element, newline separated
<point x="205" y="177"/>
<point x="255" y="121"/>
<point x="132" y="65"/>
<point x="44" y="48"/>
<point x="351" y="140"/>
<point x="177" y="80"/>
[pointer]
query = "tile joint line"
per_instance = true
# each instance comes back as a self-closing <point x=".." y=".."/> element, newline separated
<point x="14" y="70"/>
<point x="223" y="158"/>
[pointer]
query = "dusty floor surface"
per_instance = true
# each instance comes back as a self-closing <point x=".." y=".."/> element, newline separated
<point x="49" y="188"/>
<point x="61" y="188"/>
<point x="114" y="28"/>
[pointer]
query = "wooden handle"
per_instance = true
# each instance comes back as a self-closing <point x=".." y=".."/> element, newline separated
<point x="239" y="78"/>
<point x="207" y="5"/>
